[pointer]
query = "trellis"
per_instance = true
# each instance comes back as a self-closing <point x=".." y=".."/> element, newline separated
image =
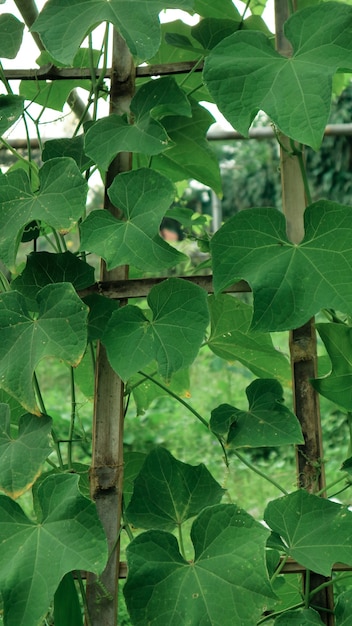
<point x="107" y="462"/>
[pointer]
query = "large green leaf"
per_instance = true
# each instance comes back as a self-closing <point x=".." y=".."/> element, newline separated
<point x="67" y="608"/>
<point x="153" y="101"/>
<point x="290" y="282"/>
<point x="68" y="147"/>
<point x="343" y="608"/>
<point x="301" y="617"/>
<point x="63" y="24"/>
<point x="167" y="492"/>
<point x="172" y="337"/>
<point x="44" y="268"/>
<point x="191" y="155"/>
<point x="337" y="386"/>
<point x="232" y="339"/>
<point x="225" y="584"/>
<point x="11" y="33"/>
<point x="136" y="240"/>
<point x="268" y="422"/>
<point x="35" y="556"/>
<point x="244" y="73"/>
<point x="59" y="330"/>
<point x="316" y="532"/>
<point x="209" y="8"/>
<point x="21" y="458"/>
<point x="11" y="108"/>
<point x="59" y="202"/>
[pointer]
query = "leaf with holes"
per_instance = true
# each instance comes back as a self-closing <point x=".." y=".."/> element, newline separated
<point x="167" y="492"/>
<point x="11" y="33"/>
<point x="290" y="282"/>
<point x="316" y="546"/>
<point x="295" y="91"/>
<point x="68" y="534"/>
<point x="171" y="334"/>
<point x="226" y="583"/>
<point x="153" y="101"/>
<point x="232" y="339"/>
<point x="59" y="330"/>
<point x="337" y="386"/>
<point x="135" y="240"/>
<point x="44" y="268"/>
<point x="63" y="25"/>
<point x="22" y="457"/>
<point x="268" y="422"/>
<point x="59" y="202"/>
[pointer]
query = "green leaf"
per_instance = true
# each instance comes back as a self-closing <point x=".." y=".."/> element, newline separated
<point x="226" y="584"/>
<point x="144" y="391"/>
<point x="68" y="147"/>
<point x="191" y="155"/>
<point x="59" y="202"/>
<point x="133" y="462"/>
<point x="232" y="339"/>
<point x="337" y="386"/>
<point x="21" y="458"/>
<point x="343" y="608"/>
<point x="63" y="25"/>
<point x="59" y="330"/>
<point x="290" y="282"/>
<point x="68" y="534"/>
<point x="168" y="492"/>
<point x="209" y="8"/>
<point x="316" y="546"/>
<point x="11" y="108"/>
<point x="301" y="617"/>
<point x="172" y="337"/>
<point x="153" y="100"/>
<point x="295" y="92"/>
<point x="136" y="240"/>
<point x="11" y="33"/>
<point x="210" y="31"/>
<point x="100" y="311"/>
<point x="268" y="422"/>
<point x="45" y="268"/>
<point x="67" y="609"/>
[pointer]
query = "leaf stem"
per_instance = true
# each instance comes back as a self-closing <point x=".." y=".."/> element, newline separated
<point x="332" y="484"/>
<point x="279" y="569"/>
<point x="17" y="154"/>
<point x="189" y="408"/>
<point x="329" y="583"/>
<point x="73" y="418"/>
<point x="84" y="598"/>
<point x="195" y="66"/>
<point x="259" y="472"/>
<point x="44" y="412"/>
<point x="180" y="540"/>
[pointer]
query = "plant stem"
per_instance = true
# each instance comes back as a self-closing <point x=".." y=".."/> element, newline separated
<point x="43" y="410"/>
<point x="180" y="540"/>
<point x="259" y="472"/>
<point x="17" y="154"/>
<point x="200" y="60"/>
<point x="189" y="408"/>
<point x="328" y="583"/>
<point x="307" y="590"/>
<point x="73" y="418"/>
<point x="332" y="484"/>
<point x="277" y="613"/>
<point x="84" y="598"/>
<point x="279" y="569"/>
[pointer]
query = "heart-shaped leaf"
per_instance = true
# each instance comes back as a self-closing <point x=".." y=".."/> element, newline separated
<point x="68" y="534"/>
<point x="59" y="330"/>
<point x="136" y="240"/>
<point x="68" y="147"/>
<point x="232" y="339"/>
<point x="11" y="33"/>
<point x="21" y="458"/>
<point x="316" y="546"/>
<point x="11" y="108"/>
<point x="295" y="92"/>
<point x="225" y="584"/>
<point x="44" y="268"/>
<point x="268" y="422"/>
<point x="62" y="27"/>
<point x="337" y="386"/>
<point x="172" y="337"/>
<point x="167" y="492"/>
<point x="290" y="282"/>
<point x="190" y="156"/>
<point x="153" y="101"/>
<point x="59" y="202"/>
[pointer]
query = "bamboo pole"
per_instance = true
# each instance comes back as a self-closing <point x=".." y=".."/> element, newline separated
<point x="310" y="469"/>
<point x="106" y="474"/>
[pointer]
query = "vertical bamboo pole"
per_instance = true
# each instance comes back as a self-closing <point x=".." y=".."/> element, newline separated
<point x="309" y="455"/>
<point x="106" y="474"/>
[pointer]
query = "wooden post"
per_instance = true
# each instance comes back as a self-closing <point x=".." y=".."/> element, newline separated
<point x="309" y="456"/>
<point x="106" y="474"/>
